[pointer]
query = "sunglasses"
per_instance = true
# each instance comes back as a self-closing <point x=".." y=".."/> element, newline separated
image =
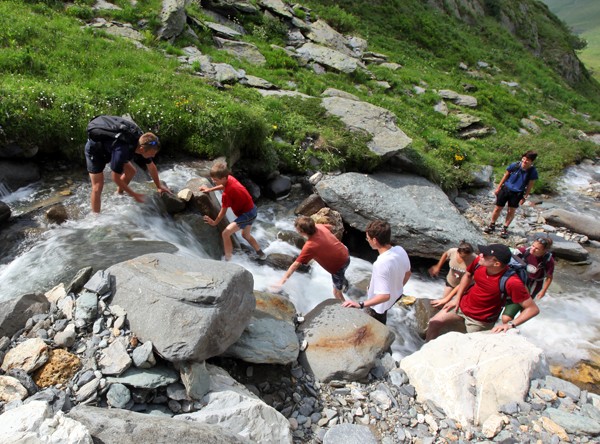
<point x="543" y="241"/>
<point x="152" y="143"/>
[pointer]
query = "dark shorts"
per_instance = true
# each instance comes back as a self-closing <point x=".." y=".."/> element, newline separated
<point x="380" y="317"/>
<point x="511" y="310"/>
<point x="246" y="219"/>
<point x="512" y="197"/>
<point x="96" y="157"/>
<point x="339" y="277"/>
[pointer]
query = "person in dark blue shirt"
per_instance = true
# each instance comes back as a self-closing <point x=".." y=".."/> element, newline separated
<point x="119" y="154"/>
<point x="514" y="189"/>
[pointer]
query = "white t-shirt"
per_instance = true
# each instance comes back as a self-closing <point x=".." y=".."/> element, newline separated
<point x="388" y="277"/>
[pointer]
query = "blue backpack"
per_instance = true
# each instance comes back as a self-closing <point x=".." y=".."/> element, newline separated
<point x="516" y="266"/>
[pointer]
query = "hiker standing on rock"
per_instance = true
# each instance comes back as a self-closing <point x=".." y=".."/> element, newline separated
<point x="459" y="259"/>
<point x="235" y="196"/>
<point x="540" y="271"/>
<point x="326" y="249"/>
<point x="115" y="140"/>
<point x="479" y="306"/>
<point x="514" y="189"/>
<point x="391" y="272"/>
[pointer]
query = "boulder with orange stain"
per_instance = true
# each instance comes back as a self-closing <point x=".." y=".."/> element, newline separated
<point x="585" y="374"/>
<point x="60" y="368"/>
<point x="342" y="343"/>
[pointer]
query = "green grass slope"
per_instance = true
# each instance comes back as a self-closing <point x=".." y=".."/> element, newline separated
<point x="583" y="16"/>
<point x="57" y="74"/>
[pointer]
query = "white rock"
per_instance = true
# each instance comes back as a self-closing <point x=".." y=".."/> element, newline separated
<point x="57" y="293"/>
<point x="492" y="426"/>
<point x="11" y="389"/>
<point x="29" y="356"/>
<point x="465" y="374"/>
<point x="34" y="423"/>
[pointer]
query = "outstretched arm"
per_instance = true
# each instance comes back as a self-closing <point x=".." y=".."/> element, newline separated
<point x="153" y="171"/>
<point x="542" y="292"/>
<point x="206" y="189"/>
<point x="530" y="310"/>
<point x="465" y="283"/>
<point x="124" y="186"/>
<point x="295" y="265"/>
<point x="435" y="269"/>
<point x="219" y="218"/>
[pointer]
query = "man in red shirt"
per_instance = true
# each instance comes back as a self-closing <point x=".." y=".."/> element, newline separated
<point x="482" y="302"/>
<point x="236" y="197"/>
<point x="325" y="249"/>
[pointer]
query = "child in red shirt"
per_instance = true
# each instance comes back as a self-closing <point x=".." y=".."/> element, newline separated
<point x="236" y="197"/>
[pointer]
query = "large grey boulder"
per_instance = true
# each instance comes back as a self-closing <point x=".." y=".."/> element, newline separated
<point x="189" y="309"/>
<point x="173" y="18"/>
<point x="380" y="123"/>
<point x="423" y="219"/>
<point x="470" y="376"/>
<point x="270" y="336"/>
<point x="323" y="34"/>
<point x="232" y="406"/>
<point x="109" y="425"/>
<point x="579" y="223"/>
<point x="330" y="58"/>
<point x="277" y="6"/>
<point x="571" y="251"/>
<point x="15" y="312"/>
<point x="343" y="343"/>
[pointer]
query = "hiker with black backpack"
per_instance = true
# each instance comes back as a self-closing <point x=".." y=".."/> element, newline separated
<point x="513" y="189"/>
<point x="482" y="294"/>
<point x="539" y="267"/>
<point x="115" y="140"/>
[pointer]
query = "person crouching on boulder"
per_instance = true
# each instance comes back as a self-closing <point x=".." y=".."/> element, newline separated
<point x="326" y="249"/>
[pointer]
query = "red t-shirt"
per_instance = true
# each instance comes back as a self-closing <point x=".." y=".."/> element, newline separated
<point x="483" y="301"/>
<point x="324" y="248"/>
<point x="236" y="197"/>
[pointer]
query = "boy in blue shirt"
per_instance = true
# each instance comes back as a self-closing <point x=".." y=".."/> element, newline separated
<point x="514" y="189"/>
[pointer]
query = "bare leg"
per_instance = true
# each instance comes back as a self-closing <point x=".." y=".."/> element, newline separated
<point x="510" y="215"/>
<point x="128" y="173"/>
<point x="506" y="318"/>
<point x="437" y="322"/>
<point x="231" y="229"/>
<point x="246" y="235"/>
<point x="496" y="213"/>
<point x="97" y="186"/>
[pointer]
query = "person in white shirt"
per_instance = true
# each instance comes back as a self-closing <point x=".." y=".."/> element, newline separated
<point x="391" y="271"/>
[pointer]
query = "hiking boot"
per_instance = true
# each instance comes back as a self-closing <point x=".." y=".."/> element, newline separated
<point x="504" y="233"/>
<point x="261" y="256"/>
<point x="490" y="228"/>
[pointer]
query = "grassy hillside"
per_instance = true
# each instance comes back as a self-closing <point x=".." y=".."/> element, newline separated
<point x="57" y="74"/>
<point x="583" y="16"/>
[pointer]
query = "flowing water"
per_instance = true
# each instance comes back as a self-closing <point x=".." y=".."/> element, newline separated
<point x="567" y="328"/>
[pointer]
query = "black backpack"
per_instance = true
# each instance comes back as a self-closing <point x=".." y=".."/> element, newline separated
<point x="515" y="266"/>
<point x="113" y="128"/>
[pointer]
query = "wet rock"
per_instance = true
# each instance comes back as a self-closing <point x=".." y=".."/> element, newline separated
<point x="310" y="205"/>
<point x="57" y="214"/>
<point x="278" y="188"/>
<point x="59" y="369"/>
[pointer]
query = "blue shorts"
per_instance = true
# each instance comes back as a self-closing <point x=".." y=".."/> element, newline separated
<point x="96" y="156"/>
<point x="339" y="278"/>
<point x="246" y="219"/>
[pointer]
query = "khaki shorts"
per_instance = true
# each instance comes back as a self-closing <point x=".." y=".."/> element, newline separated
<point x="473" y="325"/>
